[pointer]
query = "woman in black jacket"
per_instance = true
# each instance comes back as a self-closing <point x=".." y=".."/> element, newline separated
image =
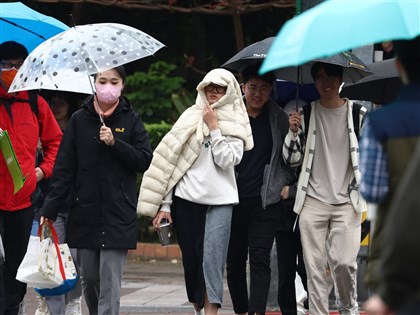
<point x="104" y="146"/>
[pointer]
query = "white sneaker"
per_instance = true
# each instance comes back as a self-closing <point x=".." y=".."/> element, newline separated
<point x="42" y="307"/>
<point x="22" y="308"/>
<point x="74" y="307"/>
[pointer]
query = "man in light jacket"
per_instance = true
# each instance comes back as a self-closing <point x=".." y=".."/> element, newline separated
<point x="327" y="200"/>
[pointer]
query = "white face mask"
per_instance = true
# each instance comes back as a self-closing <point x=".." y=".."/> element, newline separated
<point x="108" y="94"/>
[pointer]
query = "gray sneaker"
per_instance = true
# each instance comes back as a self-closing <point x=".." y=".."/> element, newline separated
<point x="22" y="308"/>
<point x="42" y="307"/>
<point x="74" y="307"/>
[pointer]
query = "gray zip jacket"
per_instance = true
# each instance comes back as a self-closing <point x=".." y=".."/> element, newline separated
<point x="276" y="174"/>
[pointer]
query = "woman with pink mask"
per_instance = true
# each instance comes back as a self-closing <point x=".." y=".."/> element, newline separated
<point x="104" y="147"/>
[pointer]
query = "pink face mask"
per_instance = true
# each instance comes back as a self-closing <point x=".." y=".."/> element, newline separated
<point x="108" y="94"/>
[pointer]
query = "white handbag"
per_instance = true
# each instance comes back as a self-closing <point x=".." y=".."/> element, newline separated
<point x="48" y="265"/>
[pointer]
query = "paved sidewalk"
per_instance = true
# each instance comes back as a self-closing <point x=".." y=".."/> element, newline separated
<point x="150" y="288"/>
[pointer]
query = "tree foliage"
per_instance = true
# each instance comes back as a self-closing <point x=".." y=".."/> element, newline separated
<point x="152" y="93"/>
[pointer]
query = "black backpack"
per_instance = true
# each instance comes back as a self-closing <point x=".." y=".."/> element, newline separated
<point x="355" y="113"/>
<point x="32" y="100"/>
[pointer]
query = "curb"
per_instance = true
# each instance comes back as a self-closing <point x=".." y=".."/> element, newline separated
<point x="146" y="251"/>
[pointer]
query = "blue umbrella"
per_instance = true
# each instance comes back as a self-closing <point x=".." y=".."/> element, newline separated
<point x="286" y="91"/>
<point x="26" y="26"/>
<point x="338" y="25"/>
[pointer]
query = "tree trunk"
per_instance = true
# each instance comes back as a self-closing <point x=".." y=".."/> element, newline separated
<point x="239" y="33"/>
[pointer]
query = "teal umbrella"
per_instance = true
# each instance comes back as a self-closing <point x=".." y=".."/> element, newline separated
<point x="338" y="25"/>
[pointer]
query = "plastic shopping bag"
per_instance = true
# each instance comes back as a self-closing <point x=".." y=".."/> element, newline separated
<point x="70" y="278"/>
<point x="29" y="271"/>
<point x="47" y="265"/>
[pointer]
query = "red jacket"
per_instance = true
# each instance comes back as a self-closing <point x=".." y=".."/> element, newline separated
<point x="24" y="132"/>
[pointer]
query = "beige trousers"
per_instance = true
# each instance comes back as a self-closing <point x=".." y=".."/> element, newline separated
<point x="330" y="235"/>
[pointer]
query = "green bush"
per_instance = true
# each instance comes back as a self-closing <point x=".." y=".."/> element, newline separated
<point x="156" y="132"/>
<point x="152" y="93"/>
<point x="160" y="98"/>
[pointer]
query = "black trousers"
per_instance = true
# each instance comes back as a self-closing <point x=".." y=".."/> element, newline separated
<point x="253" y="231"/>
<point x="288" y="248"/>
<point x="189" y="222"/>
<point x="15" y="229"/>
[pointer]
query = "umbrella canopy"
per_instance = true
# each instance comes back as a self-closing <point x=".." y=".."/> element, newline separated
<point x="339" y="25"/>
<point x="381" y="87"/>
<point x="285" y="91"/>
<point x="251" y="54"/>
<point x="79" y="52"/>
<point x="354" y="69"/>
<point x="26" y="26"/>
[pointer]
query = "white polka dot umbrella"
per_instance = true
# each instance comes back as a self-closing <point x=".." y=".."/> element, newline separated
<point x="66" y="60"/>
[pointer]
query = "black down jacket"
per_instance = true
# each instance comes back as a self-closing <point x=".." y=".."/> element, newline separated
<point x="101" y="179"/>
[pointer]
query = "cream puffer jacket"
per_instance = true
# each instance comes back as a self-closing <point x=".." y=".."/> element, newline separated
<point x="181" y="146"/>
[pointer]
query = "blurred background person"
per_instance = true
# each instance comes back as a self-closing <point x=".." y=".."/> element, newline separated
<point x="388" y="143"/>
<point x="63" y="105"/>
<point x="398" y="291"/>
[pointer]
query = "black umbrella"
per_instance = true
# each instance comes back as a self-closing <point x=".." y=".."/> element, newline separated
<point x="251" y="54"/>
<point x="380" y="88"/>
<point x="354" y="69"/>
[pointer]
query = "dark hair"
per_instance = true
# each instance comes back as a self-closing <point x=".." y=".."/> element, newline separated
<point x="70" y="97"/>
<point x="12" y="50"/>
<point x="408" y="52"/>
<point x="251" y="72"/>
<point x="120" y="70"/>
<point x="330" y="69"/>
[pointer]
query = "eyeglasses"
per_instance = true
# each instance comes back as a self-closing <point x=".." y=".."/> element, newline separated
<point x="6" y="65"/>
<point x="253" y="89"/>
<point x="219" y="89"/>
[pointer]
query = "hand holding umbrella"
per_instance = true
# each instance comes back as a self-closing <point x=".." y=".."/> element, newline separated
<point x="105" y="135"/>
<point x="294" y="121"/>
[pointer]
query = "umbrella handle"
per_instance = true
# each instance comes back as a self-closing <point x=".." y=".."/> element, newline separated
<point x="95" y="104"/>
<point x="297" y="88"/>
